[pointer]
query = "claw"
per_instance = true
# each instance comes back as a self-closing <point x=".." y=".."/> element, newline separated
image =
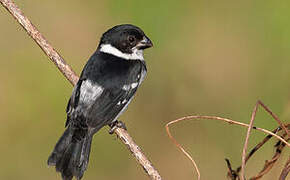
<point x="116" y="124"/>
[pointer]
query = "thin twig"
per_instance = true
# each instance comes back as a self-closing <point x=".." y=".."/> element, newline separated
<point x="181" y="148"/>
<point x="285" y="171"/>
<point x="268" y="164"/>
<point x="71" y="76"/>
<point x="232" y="174"/>
<point x="259" y="145"/>
<point x="230" y="122"/>
<point x="249" y="131"/>
<point x="275" y="117"/>
<point x="213" y="118"/>
<point x="247" y="141"/>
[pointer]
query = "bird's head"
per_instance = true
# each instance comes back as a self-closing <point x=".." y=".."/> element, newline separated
<point x="125" y="40"/>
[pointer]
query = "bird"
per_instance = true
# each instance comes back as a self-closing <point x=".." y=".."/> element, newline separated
<point x="106" y="86"/>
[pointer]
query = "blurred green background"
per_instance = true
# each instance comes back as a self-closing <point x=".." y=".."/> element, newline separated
<point x="209" y="58"/>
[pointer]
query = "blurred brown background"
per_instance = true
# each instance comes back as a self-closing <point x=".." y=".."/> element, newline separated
<point x="209" y="58"/>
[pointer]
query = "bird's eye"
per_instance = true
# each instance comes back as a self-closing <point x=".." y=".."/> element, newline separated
<point x="131" y="39"/>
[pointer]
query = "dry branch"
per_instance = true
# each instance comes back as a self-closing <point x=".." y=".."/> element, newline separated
<point x="269" y="165"/>
<point x="232" y="173"/>
<point x="71" y="76"/>
<point x="247" y="140"/>
<point x="183" y="151"/>
<point x="285" y="171"/>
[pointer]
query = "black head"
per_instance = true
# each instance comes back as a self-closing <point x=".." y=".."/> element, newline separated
<point x="126" y="38"/>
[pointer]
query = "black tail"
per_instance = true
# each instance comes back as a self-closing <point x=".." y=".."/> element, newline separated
<point x="70" y="155"/>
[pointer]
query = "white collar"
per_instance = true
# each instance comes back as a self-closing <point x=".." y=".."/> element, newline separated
<point x="109" y="49"/>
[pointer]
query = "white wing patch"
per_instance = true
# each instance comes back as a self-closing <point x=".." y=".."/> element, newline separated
<point x="124" y="101"/>
<point x="127" y="87"/>
<point x="109" y="49"/>
<point x="90" y="91"/>
<point x="134" y="85"/>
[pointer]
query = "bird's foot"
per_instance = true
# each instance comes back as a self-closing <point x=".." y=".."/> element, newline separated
<point x="116" y="124"/>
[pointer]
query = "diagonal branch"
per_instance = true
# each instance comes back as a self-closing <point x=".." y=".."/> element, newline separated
<point x="71" y="76"/>
<point x="56" y="58"/>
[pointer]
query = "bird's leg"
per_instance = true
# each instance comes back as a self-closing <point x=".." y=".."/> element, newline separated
<point x="116" y="124"/>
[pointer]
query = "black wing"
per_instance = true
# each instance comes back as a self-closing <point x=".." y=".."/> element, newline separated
<point x="97" y="102"/>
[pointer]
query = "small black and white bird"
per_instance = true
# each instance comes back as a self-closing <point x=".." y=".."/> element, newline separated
<point x="106" y="86"/>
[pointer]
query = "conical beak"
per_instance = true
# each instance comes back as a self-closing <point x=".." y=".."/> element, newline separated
<point x="145" y="43"/>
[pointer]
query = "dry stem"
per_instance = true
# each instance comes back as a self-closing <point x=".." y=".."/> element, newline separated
<point x="181" y="148"/>
<point x="247" y="140"/>
<point x="249" y="131"/>
<point x="219" y="119"/>
<point x="71" y="76"/>
<point x="270" y="163"/>
<point x="285" y="171"/>
<point x="234" y="174"/>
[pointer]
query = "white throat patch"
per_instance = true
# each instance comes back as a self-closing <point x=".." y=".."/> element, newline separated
<point x="109" y="49"/>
